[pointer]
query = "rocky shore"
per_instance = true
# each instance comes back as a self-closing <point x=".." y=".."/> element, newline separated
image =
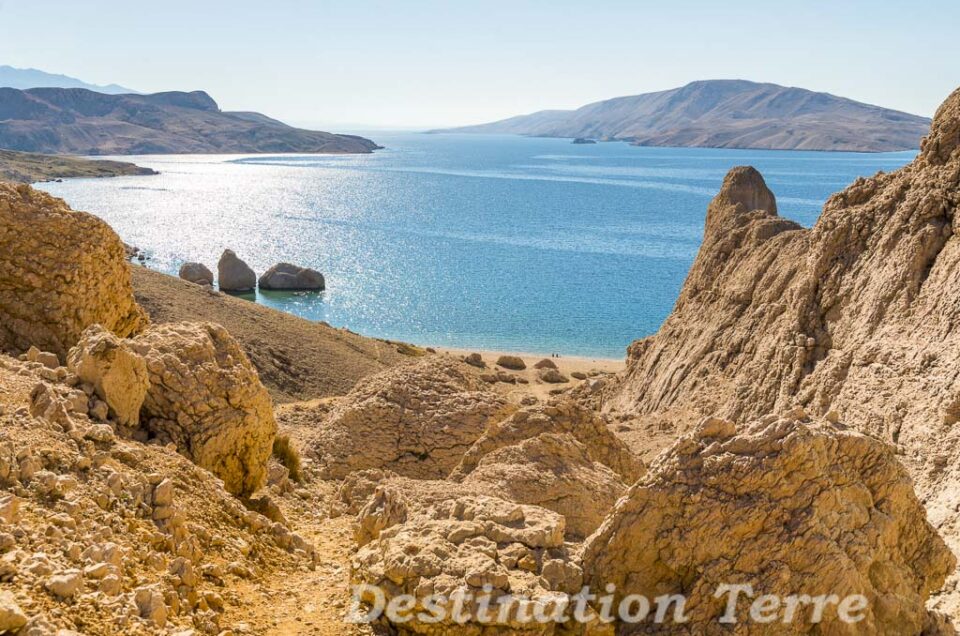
<point x="25" y="167"/>
<point x="177" y="461"/>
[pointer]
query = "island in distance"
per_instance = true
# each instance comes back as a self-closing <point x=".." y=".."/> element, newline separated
<point x="726" y="114"/>
<point x="83" y="122"/>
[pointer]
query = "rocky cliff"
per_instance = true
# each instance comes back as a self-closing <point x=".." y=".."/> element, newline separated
<point x="856" y="319"/>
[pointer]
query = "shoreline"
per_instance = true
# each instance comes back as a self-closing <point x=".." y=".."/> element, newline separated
<point x="564" y="362"/>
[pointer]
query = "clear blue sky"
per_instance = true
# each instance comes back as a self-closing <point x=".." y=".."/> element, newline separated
<point x="432" y="63"/>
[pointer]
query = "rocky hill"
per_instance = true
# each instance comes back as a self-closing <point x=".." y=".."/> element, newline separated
<point x="727" y="114"/>
<point x="79" y="121"/>
<point x="26" y="167"/>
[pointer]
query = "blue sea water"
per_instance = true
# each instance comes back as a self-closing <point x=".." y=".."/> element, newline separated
<point x="495" y="242"/>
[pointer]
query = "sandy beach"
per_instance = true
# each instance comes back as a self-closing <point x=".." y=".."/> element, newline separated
<point x="569" y="366"/>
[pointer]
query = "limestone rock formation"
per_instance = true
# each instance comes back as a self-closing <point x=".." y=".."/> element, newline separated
<point x="284" y="276"/>
<point x="197" y="273"/>
<point x="101" y="534"/>
<point x="787" y="506"/>
<point x="116" y="372"/>
<point x="416" y="420"/>
<point x="559" y="417"/>
<point x="60" y="272"/>
<point x="205" y="397"/>
<point x="467" y="543"/>
<point x="558" y="456"/>
<point x="856" y="318"/>
<point x="234" y="275"/>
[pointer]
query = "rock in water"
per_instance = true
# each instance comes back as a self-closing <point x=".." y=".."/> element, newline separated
<point x="234" y="275"/>
<point x="284" y="276"/>
<point x="206" y="398"/>
<point x="196" y="273"/>
<point x="785" y="506"/>
<point x="118" y="375"/>
<point x="60" y="272"/>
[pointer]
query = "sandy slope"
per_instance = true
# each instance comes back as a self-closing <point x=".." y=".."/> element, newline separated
<point x="297" y="359"/>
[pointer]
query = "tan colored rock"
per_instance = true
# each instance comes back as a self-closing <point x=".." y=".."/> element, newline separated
<point x="514" y="363"/>
<point x="205" y="397"/>
<point x="117" y="373"/>
<point x="559" y="456"/>
<point x="790" y="508"/>
<point x="856" y="318"/>
<point x="60" y="272"/>
<point x="545" y="363"/>
<point x="555" y="472"/>
<point x="387" y="507"/>
<point x="558" y="417"/>
<point x="416" y="420"/>
<point x="196" y="273"/>
<point x="150" y="604"/>
<point x="12" y="617"/>
<point x="475" y="360"/>
<point x="468" y="543"/>
<point x="65" y="585"/>
<point x="552" y="376"/>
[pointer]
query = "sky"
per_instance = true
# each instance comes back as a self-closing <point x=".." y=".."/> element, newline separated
<point x="429" y="63"/>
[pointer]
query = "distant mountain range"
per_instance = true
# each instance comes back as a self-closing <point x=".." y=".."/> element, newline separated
<point x="726" y="114"/>
<point x="23" y="78"/>
<point x="79" y="121"/>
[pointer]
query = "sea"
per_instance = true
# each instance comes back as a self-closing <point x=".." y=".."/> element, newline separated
<point x="500" y="243"/>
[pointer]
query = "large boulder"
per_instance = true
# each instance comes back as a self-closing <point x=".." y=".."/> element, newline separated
<point x="206" y="397"/>
<point x="116" y="372"/>
<point x="515" y="363"/>
<point x="234" y="275"/>
<point x="196" y="273"/>
<point x="502" y="552"/>
<point x="559" y="456"/>
<point x="416" y="420"/>
<point x="284" y="276"/>
<point x="60" y="272"/>
<point x="788" y="507"/>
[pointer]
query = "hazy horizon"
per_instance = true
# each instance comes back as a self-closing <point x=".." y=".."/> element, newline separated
<point x="424" y="63"/>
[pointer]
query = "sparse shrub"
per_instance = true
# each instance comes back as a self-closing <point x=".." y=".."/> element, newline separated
<point x="288" y="455"/>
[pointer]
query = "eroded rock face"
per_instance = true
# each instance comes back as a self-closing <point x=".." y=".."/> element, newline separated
<point x="60" y="272"/>
<point x="196" y="273"/>
<point x="285" y="276"/>
<point x="466" y="543"/>
<point x="206" y="397"/>
<point x="116" y="372"/>
<point x="557" y="417"/>
<point x="416" y="420"/>
<point x="856" y="318"/>
<point x="234" y="275"/>
<point x="558" y="456"/>
<point x="786" y="506"/>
